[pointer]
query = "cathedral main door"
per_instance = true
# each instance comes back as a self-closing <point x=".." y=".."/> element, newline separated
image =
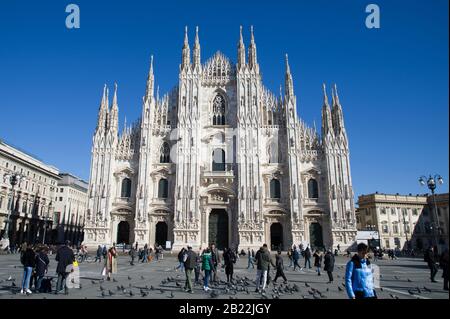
<point x="123" y="233"/>
<point x="161" y="234"/>
<point x="276" y="236"/>
<point x="218" y="228"/>
<point x="315" y="235"/>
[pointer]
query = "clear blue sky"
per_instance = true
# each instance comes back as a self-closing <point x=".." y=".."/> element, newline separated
<point x="393" y="82"/>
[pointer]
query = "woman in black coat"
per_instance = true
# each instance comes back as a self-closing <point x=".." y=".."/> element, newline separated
<point x="317" y="261"/>
<point x="28" y="261"/>
<point x="42" y="262"/>
<point x="229" y="259"/>
<point x="329" y="265"/>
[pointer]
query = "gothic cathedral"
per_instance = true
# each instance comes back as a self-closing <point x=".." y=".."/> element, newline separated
<point x="220" y="159"/>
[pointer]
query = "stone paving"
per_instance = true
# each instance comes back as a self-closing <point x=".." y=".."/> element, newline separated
<point x="404" y="278"/>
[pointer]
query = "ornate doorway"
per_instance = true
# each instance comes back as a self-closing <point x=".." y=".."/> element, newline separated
<point x="315" y="235"/>
<point x="123" y="233"/>
<point x="218" y="228"/>
<point x="161" y="234"/>
<point x="276" y="236"/>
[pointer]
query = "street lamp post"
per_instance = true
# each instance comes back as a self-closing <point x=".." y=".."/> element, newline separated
<point x="14" y="179"/>
<point x="431" y="184"/>
<point x="406" y="230"/>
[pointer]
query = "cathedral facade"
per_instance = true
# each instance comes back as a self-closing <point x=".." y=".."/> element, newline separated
<point x="220" y="159"/>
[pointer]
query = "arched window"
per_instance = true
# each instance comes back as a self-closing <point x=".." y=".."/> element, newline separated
<point x="275" y="189"/>
<point x="218" y="162"/>
<point x="163" y="188"/>
<point x="313" y="189"/>
<point x="164" y="153"/>
<point x="218" y="110"/>
<point x="126" y="188"/>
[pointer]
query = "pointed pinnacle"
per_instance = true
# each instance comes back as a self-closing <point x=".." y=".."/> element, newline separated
<point x="252" y="37"/>
<point x="186" y="41"/>
<point x="197" y="41"/>
<point x="336" y="94"/>
<point x="325" y="97"/>
<point x="241" y="39"/>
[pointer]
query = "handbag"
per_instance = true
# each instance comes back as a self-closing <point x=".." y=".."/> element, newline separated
<point x="104" y="271"/>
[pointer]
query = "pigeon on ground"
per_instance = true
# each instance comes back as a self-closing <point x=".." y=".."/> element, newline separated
<point x="307" y="285"/>
<point x="213" y="294"/>
<point x="392" y="296"/>
<point x="161" y="291"/>
<point x="131" y="293"/>
<point x="152" y="288"/>
<point x="409" y="280"/>
<point x="178" y="284"/>
<point x="426" y="289"/>
<point x="93" y="282"/>
<point x="13" y="284"/>
<point x="171" y="295"/>
<point x="343" y="284"/>
<point x="10" y="278"/>
<point x="396" y="277"/>
<point x="328" y="289"/>
<point x="118" y="288"/>
<point x="142" y="277"/>
<point x="101" y="288"/>
<point x="111" y="293"/>
<point x="144" y="294"/>
<point x="411" y="292"/>
<point x="114" y="280"/>
<point x="129" y="278"/>
<point x="122" y="287"/>
<point x="339" y="288"/>
<point x="164" y="282"/>
<point x="103" y="294"/>
<point x="381" y="288"/>
<point x="418" y="290"/>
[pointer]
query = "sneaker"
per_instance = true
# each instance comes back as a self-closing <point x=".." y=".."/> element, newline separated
<point x="257" y="290"/>
<point x="29" y="292"/>
<point x="21" y="291"/>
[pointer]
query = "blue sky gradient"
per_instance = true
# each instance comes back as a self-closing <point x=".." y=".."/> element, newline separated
<point x="392" y="81"/>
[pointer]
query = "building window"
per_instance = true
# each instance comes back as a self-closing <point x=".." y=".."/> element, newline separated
<point x="393" y="211"/>
<point x="384" y="228"/>
<point x="218" y="162"/>
<point x="383" y="211"/>
<point x="313" y="189"/>
<point x="387" y="243"/>
<point x="163" y="188"/>
<point x="126" y="188"/>
<point x="407" y="229"/>
<point x="415" y="212"/>
<point x="218" y="110"/>
<point x="275" y="189"/>
<point x="24" y="207"/>
<point x="60" y="199"/>
<point x="395" y="228"/>
<point x="164" y="156"/>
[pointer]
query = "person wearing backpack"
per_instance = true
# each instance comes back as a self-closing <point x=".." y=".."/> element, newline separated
<point x="359" y="281"/>
<point x="189" y="259"/>
<point x="42" y="262"/>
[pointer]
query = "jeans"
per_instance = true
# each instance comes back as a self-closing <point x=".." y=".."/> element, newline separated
<point x="188" y="284"/>
<point x="296" y="264"/>
<point x="308" y="261"/>
<point x="318" y="270"/>
<point x="206" y="278"/>
<point x="180" y="266"/>
<point x="290" y="262"/>
<point x="261" y="275"/>
<point x="39" y="282"/>
<point x="250" y="262"/>
<point x="26" y="277"/>
<point x="61" y="283"/>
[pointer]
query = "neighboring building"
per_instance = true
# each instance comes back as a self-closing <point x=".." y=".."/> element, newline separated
<point x="403" y="221"/>
<point x="70" y="209"/>
<point x="33" y="197"/>
<point x="220" y="159"/>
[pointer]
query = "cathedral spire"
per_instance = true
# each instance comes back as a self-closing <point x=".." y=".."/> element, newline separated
<point x="338" y="119"/>
<point x="252" y="60"/>
<point x="103" y="110"/>
<point x="241" y="50"/>
<point x="196" y="51"/>
<point x="327" y="125"/>
<point x="150" y="82"/>
<point x="114" y="115"/>
<point x="186" y="54"/>
<point x="289" y="86"/>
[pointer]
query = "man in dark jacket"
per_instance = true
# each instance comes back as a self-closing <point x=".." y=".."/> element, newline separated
<point x="190" y="261"/>
<point x="329" y="265"/>
<point x="64" y="257"/>
<point x="99" y="254"/>
<point x="444" y="265"/>
<point x="42" y="262"/>
<point x="431" y="257"/>
<point x="262" y="265"/>
<point x="279" y="266"/>
<point x="229" y="259"/>
<point x="308" y="257"/>
<point x="133" y="254"/>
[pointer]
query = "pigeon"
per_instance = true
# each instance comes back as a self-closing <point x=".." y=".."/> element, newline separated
<point x="392" y="296"/>
<point x="343" y="284"/>
<point x="114" y="280"/>
<point x="411" y="292"/>
<point x="396" y="277"/>
<point x="122" y="287"/>
<point x="409" y="280"/>
<point x="144" y="294"/>
<point x="13" y="284"/>
<point x="161" y="291"/>
<point x="418" y="290"/>
<point x="152" y="288"/>
<point x="275" y="297"/>
<point x="164" y="282"/>
<point x="118" y="288"/>
<point x="131" y="293"/>
<point x="381" y="288"/>
<point x="328" y="289"/>
<point x="10" y="278"/>
<point x="178" y="284"/>
<point x="339" y="288"/>
<point x="93" y="282"/>
<point x="426" y="289"/>
<point x="307" y="285"/>
<point x="142" y="277"/>
<point x="171" y="295"/>
<point x="129" y="278"/>
<point x="103" y="294"/>
<point x="101" y="288"/>
<point x="213" y="294"/>
<point x="111" y="293"/>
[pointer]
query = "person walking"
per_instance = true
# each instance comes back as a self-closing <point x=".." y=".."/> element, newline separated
<point x="181" y="259"/>
<point x="65" y="257"/>
<point x="104" y="252"/>
<point x="207" y="265"/>
<point x="28" y="260"/>
<point x="110" y="263"/>
<point x="262" y="257"/>
<point x="295" y="258"/>
<point x="308" y="257"/>
<point x="216" y="262"/>
<point x="359" y="281"/>
<point x="133" y="255"/>
<point x="98" y="255"/>
<point x="229" y="259"/>
<point x="318" y="261"/>
<point x="279" y="267"/>
<point x="250" y="259"/>
<point x="444" y="265"/>
<point x="198" y="267"/>
<point x="145" y="254"/>
<point x="431" y="258"/>
<point x="42" y="263"/>
<point x="189" y="259"/>
<point x="329" y="265"/>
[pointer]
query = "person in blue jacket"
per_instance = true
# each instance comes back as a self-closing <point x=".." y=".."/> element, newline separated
<point x="359" y="280"/>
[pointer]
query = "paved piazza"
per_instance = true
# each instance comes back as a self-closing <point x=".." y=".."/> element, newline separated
<point x="399" y="279"/>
